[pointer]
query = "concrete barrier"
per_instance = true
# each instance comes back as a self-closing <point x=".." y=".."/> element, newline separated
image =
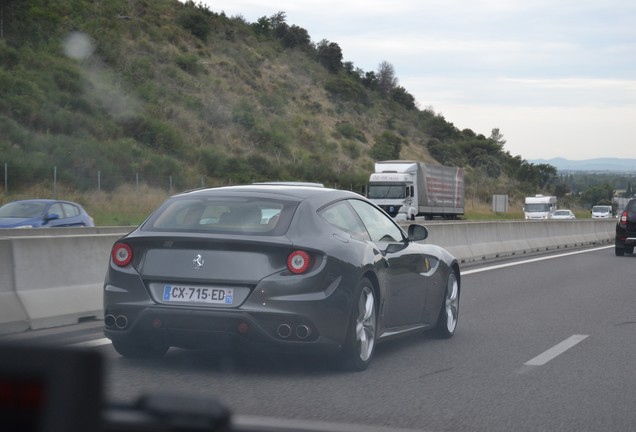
<point x="12" y="232"/>
<point x="52" y="280"/>
<point x="13" y="317"/>
<point x="55" y="277"/>
<point x="478" y="241"/>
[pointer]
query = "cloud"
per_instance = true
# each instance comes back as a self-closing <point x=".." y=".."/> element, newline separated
<point x="575" y="133"/>
<point x="513" y="91"/>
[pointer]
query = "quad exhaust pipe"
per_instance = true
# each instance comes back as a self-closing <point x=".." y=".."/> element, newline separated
<point x="302" y="332"/>
<point x="119" y="321"/>
<point x="284" y="331"/>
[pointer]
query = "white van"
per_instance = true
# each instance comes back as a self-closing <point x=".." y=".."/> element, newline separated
<point x="602" y="212"/>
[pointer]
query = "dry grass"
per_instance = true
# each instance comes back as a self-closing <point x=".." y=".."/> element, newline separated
<point x="477" y="210"/>
<point x="125" y="206"/>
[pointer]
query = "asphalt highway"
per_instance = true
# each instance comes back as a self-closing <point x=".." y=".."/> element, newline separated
<point x="543" y="344"/>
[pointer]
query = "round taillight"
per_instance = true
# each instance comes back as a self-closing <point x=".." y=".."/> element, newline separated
<point x="122" y="254"/>
<point x="298" y="262"/>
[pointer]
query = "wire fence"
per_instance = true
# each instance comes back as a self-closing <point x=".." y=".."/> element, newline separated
<point x="170" y="184"/>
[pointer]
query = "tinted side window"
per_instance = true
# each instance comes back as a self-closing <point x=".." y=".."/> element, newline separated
<point x="341" y="215"/>
<point x="380" y="226"/>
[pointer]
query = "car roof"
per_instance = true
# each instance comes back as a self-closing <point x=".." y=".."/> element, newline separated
<point x="286" y="183"/>
<point x="35" y="200"/>
<point x="43" y="200"/>
<point x="299" y="192"/>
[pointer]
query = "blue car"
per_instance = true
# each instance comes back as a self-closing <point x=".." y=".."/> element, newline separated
<point x="43" y="213"/>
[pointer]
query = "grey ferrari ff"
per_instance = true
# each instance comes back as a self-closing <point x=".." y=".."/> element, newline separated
<point x="284" y="268"/>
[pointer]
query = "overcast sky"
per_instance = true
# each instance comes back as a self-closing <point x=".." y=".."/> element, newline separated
<point x="557" y="77"/>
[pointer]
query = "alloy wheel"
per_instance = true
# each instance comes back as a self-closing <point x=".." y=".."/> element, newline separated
<point x="452" y="303"/>
<point x="365" y="323"/>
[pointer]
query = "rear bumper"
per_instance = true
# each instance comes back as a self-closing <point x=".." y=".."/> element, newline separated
<point x="216" y="329"/>
<point x="624" y="237"/>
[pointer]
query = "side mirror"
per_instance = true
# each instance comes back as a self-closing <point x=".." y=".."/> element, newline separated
<point x="51" y="216"/>
<point x="417" y="232"/>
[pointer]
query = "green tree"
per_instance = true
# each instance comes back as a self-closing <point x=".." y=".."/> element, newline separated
<point x="386" y="80"/>
<point x="437" y="127"/>
<point x="292" y="36"/>
<point x="497" y="138"/>
<point x="196" y="19"/>
<point x="561" y="189"/>
<point x="329" y="55"/>
<point x="404" y="98"/>
<point x="598" y="194"/>
<point x="342" y="88"/>
<point x="278" y="19"/>
<point x="297" y="37"/>
<point x="370" y="80"/>
<point x="479" y="158"/>
<point x="540" y="176"/>
<point x="262" y="26"/>
<point x="445" y="153"/>
<point x="387" y="146"/>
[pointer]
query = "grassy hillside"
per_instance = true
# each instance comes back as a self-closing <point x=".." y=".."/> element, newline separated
<point x="177" y="96"/>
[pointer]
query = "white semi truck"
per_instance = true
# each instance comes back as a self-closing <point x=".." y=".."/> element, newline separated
<point x="406" y="189"/>
<point x="539" y="207"/>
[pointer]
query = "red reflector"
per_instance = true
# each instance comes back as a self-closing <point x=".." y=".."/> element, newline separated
<point x="122" y="254"/>
<point x="243" y="328"/>
<point x="156" y="323"/>
<point x="298" y="262"/>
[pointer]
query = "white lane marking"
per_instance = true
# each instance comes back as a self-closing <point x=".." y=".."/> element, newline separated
<point x="555" y="351"/>
<point x="92" y="343"/>
<point x="495" y="267"/>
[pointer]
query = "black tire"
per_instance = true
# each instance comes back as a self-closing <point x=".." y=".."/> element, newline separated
<point x="619" y="251"/>
<point x="449" y="314"/>
<point x="359" y="346"/>
<point x="139" y="350"/>
<point x="629" y="249"/>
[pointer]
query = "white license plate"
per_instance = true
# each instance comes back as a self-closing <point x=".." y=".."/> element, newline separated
<point x="179" y="293"/>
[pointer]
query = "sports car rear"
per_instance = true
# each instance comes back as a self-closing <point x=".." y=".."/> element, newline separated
<point x="222" y="284"/>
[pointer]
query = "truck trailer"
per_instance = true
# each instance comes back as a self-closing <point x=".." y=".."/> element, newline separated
<point x="406" y="189"/>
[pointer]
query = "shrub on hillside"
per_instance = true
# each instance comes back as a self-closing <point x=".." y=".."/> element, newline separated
<point x="345" y="89"/>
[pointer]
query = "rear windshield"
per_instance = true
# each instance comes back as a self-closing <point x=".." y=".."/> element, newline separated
<point x="224" y="215"/>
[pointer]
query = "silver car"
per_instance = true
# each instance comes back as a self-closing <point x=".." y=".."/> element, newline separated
<point x="563" y="214"/>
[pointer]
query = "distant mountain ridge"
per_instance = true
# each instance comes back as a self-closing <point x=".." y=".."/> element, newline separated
<point x="596" y="165"/>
